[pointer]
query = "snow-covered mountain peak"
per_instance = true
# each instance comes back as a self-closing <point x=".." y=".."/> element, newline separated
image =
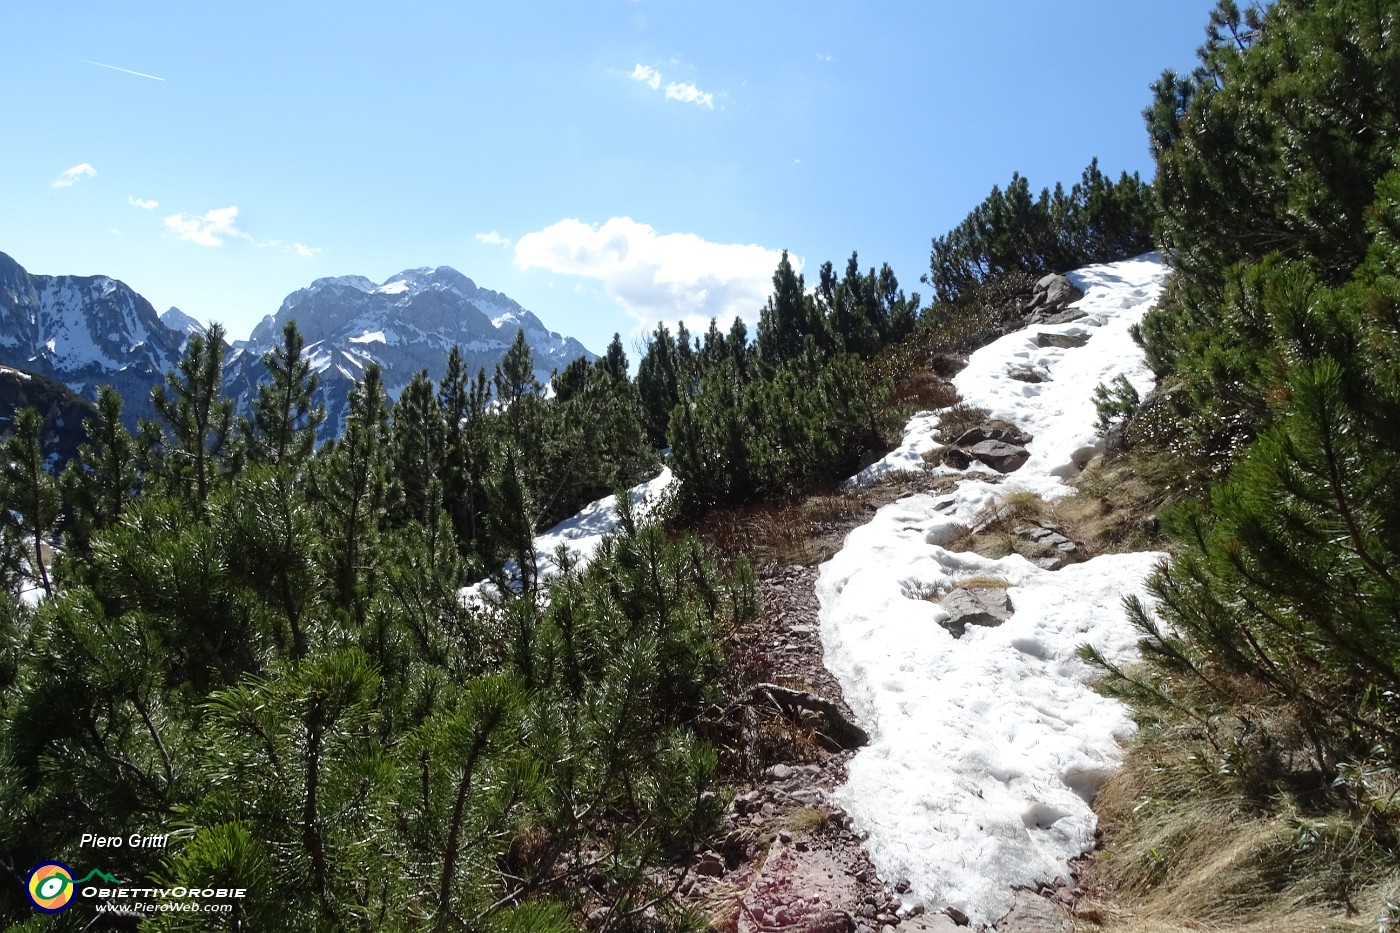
<point x="357" y="282"/>
<point x="84" y="331"/>
<point x="409" y="322"/>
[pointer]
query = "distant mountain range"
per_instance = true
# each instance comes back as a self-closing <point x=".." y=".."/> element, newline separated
<point x="89" y="331"/>
<point x="84" y="331"/>
<point x="406" y="324"/>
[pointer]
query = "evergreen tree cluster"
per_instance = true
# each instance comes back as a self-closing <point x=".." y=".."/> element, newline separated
<point x="798" y="406"/>
<point x="1098" y="220"/>
<point x="1275" y="145"/>
<point x="263" y="650"/>
<point x="1280" y="195"/>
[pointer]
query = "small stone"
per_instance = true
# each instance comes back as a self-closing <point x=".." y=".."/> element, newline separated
<point x="778" y="772"/>
<point x="901" y="886"/>
<point x="957" y="916"/>
<point x="709" y="865"/>
<point x="956" y="458"/>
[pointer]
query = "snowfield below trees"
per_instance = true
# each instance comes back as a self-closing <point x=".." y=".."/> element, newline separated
<point x="987" y="750"/>
<point x="581" y="534"/>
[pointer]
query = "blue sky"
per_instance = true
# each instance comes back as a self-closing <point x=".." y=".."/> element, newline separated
<point x="606" y="164"/>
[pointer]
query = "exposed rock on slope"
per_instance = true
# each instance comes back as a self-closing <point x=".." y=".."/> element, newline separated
<point x="408" y="324"/>
<point x="84" y="331"/>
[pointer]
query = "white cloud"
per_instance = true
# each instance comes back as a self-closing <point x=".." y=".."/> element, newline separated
<point x="648" y="76"/>
<point x="824" y="58"/>
<point x="304" y="251"/>
<point x="657" y="277"/>
<point x="210" y="230"/>
<point x="72" y="176"/>
<point x="493" y="239"/>
<point x="144" y="205"/>
<point x="690" y="94"/>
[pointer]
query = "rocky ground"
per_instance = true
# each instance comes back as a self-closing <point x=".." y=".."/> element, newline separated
<point x="789" y="860"/>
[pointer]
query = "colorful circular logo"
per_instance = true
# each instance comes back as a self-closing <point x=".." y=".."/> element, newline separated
<point x="50" y="887"/>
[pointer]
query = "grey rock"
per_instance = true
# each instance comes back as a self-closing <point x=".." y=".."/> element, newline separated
<point x="994" y="431"/>
<point x="956" y="458"/>
<point x="407" y="324"/>
<point x="1063" y="341"/>
<point x="709" y="865"/>
<point x="1029" y="374"/>
<point x="1000" y="456"/>
<point x="975" y="605"/>
<point x="85" y="331"/>
<point x="929" y="923"/>
<point x="1031" y="913"/>
<point x="1058" y="290"/>
<point x="1063" y="317"/>
<point x="1115" y="442"/>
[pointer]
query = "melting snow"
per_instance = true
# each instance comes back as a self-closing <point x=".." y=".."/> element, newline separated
<point x="986" y="751"/>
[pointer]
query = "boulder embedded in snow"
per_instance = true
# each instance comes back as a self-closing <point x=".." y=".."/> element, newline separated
<point x="993" y="431"/>
<point x="1058" y="291"/>
<point x="1000" y="456"/>
<point x="1061" y="317"/>
<point x="1033" y="374"/>
<point x="975" y="605"/>
<point x="1063" y="341"/>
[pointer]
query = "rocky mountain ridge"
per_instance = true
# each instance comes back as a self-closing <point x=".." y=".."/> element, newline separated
<point x="84" y="331"/>
<point x="407" y="324"/>
<point x="89" y="331"/>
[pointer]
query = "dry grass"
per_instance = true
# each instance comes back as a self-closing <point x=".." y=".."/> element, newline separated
<point x="993" y="530"/>
<point x="1200" y="838"/>
<point x="959" y="418"/>
<point x="981" y="582"/>
<point x="1116" y="505"/>
<point x="804" y="820"/>
<point x="808" y="530"/>
<point x="924" y="390"/>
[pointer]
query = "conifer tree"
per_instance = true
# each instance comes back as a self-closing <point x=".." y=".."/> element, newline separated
<point x="284" y="424"/>
<point x="197" y="446"/>
<point x="100" y="481"/>
<point x="418" y="440"/>
<point x="658" y="384"/>
<point x="27" y="487"/>
<point x="350" y="485"/>
<point x="784" y="320"/>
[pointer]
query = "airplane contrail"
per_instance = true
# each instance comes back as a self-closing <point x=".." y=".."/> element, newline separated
<point x="139" y="74"/>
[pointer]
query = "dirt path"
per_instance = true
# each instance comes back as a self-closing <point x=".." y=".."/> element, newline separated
<point x="789" y="860"/>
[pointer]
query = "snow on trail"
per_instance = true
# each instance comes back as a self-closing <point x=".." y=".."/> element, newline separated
<point x="986" y="751"/>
